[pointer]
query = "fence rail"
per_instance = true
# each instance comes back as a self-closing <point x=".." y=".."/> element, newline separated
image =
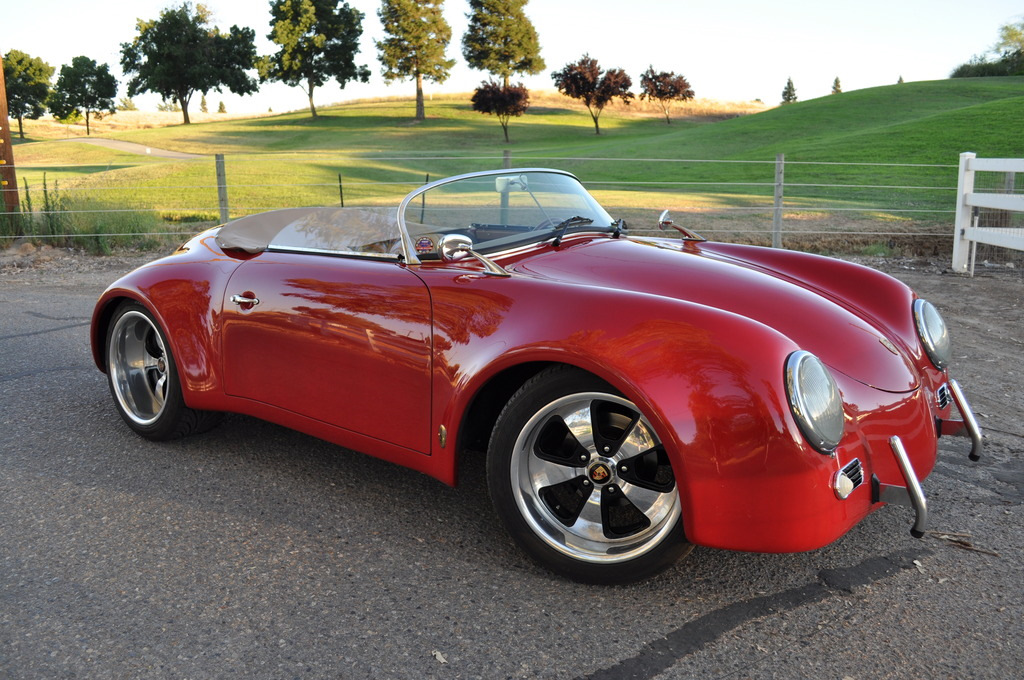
<point x="780" y="201"/>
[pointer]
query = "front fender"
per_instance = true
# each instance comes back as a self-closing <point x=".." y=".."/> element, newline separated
<point x="711" y="382"/>
<point x="184" y="292"/>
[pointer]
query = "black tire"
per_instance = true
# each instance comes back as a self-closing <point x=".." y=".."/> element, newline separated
<point x="581" y="482"/>
<point x="143" y="378"/>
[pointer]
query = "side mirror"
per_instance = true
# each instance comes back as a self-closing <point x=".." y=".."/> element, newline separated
<point x="454" y="247"/>
<point x="665" y="222"/>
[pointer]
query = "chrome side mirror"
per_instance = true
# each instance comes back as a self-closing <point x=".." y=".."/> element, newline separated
<point x="665" y="222"/>
<point x="454" y="247"/>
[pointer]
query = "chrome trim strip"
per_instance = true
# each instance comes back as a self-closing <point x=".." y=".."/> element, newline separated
<point x="970" y="422"/>
<point x="911" y="495"/>
<point x="390" y="257"/>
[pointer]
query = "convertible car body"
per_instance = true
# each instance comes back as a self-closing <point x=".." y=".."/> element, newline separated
<point x="634" y="396"/>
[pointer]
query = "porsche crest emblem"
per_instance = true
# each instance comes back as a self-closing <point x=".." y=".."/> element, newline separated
<point x="600" y="473"/>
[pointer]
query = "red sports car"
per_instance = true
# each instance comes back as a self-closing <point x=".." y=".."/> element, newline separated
<point x="635" y="396"/>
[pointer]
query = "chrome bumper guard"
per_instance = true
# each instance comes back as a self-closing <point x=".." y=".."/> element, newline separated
<point x="910" y="495"/>
<point x="968" y="426"/>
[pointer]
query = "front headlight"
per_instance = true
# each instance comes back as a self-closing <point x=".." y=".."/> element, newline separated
<point x="932" y="330"/>
<point x="815" y="401"/>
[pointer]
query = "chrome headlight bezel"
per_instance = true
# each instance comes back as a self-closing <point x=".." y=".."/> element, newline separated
<point x="815" y="401"/>
<point x="931" y="328"/>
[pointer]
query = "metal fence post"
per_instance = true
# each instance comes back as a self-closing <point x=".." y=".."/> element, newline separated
<point x="780" y="173"/>
<point x="506" y="159"/>
<point x="222" y="188"/>
<point x="964" y="186"/>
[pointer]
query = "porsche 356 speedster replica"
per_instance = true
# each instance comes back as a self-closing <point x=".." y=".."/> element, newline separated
<point x="634" y="396"/>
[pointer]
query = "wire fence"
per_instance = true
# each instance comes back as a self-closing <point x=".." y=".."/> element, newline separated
<point x="832" y="206"/>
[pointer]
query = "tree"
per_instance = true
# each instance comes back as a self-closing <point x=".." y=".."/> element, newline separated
<point x="83" y="86"/>
<point x="665" y="87"/>
<point x="179" y="54"/>
<point x="28" y="86"/>
<point x="319" y="40"/>
<point x="836" y="87"/>
<point x="501" y="100"/>
<point x="585" y="80"/>
<point x="1011" y="38"/>
<point x="1007" y="56"/>
<point x="221" y="108"/>
<point x="789" y="92"/>
<point x="500" y="39"/>
<point x="126" y="104"/>
<point x="418" y="37"/>
<point x="202" y="104"/>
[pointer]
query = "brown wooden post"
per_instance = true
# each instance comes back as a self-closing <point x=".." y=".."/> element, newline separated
<point x="8" y="178"/>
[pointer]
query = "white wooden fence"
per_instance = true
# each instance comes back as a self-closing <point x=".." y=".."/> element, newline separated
<point x="969" y="202"/>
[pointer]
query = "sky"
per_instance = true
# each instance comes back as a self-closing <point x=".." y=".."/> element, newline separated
<point x="729" y="50"/>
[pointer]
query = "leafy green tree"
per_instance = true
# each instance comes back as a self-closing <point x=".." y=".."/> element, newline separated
<point x="502" y="101"/>
<point x="789" y="92"/>
<point x="221" y="108"/>
<point x="836" y="87"/>
<point x="179" y="54"/>
<point x="28" y="86"/>
<point x="83" y="86"/>
<point x="126" y="104"/>
<point x="664" y="87"/>
<point x="501" y="39"/>
<point x="318" y="40"/>
<point x="202" y="104"/>
<point x="1007" y="56"/>
<point x="1011" y="38"/>
<point x="417" y="38"/>
<point x="585" y="80"/>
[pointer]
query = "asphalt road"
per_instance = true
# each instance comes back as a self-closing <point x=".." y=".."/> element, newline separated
<point x="253" y="551"/>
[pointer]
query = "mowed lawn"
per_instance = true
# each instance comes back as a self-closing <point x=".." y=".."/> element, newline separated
<point x="852" y="143"/>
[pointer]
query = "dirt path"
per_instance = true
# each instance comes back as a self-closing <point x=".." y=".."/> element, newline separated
<point x="132" y="147"/>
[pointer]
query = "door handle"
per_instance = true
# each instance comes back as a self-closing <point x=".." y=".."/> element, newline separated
<point x="243" y="300"/>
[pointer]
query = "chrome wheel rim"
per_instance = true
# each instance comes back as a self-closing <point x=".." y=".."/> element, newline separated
<point x="592" y="480"/>
<point x="137" y="361"/>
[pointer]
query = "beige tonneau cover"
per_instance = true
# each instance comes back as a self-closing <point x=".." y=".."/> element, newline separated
<point x="361" y="231"/>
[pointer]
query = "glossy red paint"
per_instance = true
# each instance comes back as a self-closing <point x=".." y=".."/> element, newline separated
<point x="378" y="356"/>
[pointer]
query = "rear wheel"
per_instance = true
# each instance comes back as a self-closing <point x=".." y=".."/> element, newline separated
<point x="582" y="482"/>
<point x="143" y="378"/>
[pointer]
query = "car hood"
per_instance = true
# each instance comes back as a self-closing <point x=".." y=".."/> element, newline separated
<point x="813" y="319"/>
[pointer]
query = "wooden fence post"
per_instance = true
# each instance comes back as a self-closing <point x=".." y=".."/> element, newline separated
<point x="780" y="173"/>
<point x="222" y="188"/>
<point x="964" y="186"/>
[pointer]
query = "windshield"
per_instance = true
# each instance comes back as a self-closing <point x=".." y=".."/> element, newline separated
<point x="501" y="210"/>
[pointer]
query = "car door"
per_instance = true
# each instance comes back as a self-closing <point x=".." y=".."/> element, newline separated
<point x="343" y="340"/>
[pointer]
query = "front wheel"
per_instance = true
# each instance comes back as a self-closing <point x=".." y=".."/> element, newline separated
<point x="582" y="482"/>
<point x="143" y="378"/>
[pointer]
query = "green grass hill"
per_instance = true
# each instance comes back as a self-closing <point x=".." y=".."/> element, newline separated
<point x="293" y="159"/>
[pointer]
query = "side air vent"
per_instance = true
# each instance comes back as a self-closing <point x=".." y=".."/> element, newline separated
<point x="855" y="471"/>
<point x="943" y="396"/>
